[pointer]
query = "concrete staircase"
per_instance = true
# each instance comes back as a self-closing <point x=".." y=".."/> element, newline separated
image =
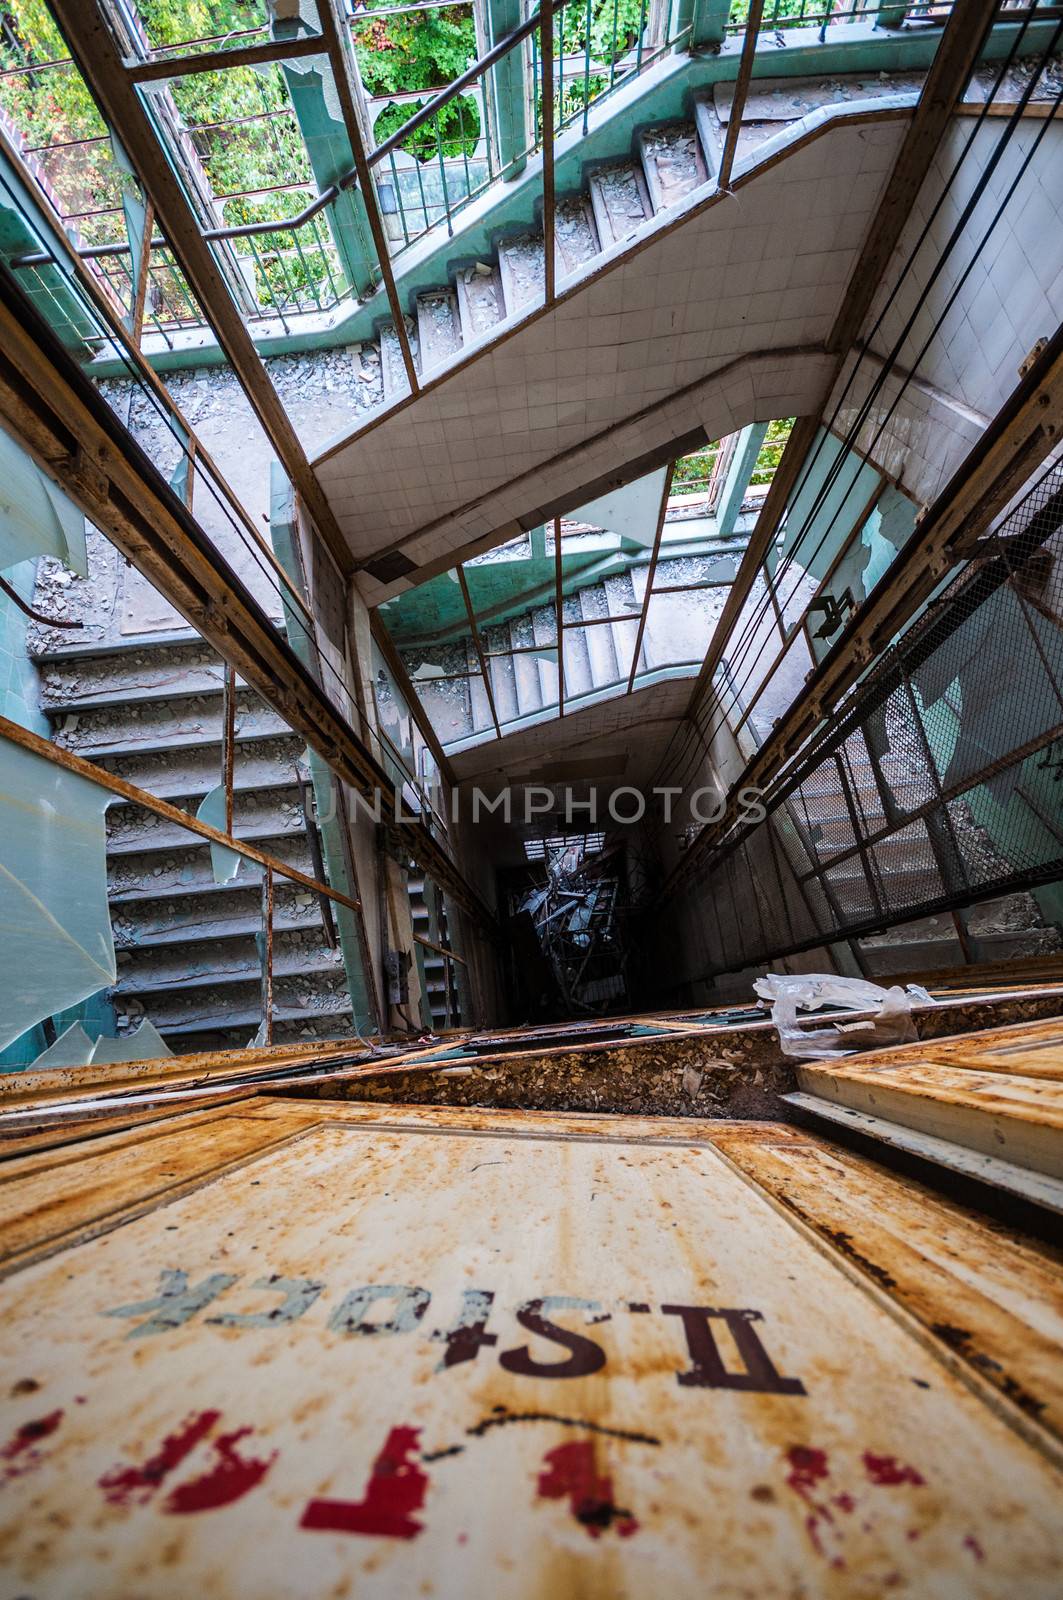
<point x="152" y="712"/>
<point x="438" y="982"/>
<point x="669" y="163"/>
<point x="597" y="656"/>
<point x="994" y="930"/>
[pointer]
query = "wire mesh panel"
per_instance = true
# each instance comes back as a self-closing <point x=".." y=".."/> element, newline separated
<point x="942" y="779"/>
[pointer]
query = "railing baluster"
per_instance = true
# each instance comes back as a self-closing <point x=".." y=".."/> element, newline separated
<point x="614" y="52"/>
<point x="400" y="203"/>
<point x="443" y="175"/>
<point x="587" y="69"/>
<point x="547" y="53"/>
<point x="464" y="147"/>
<point x="311" y="281"/>
<point x="424" y="198"/>
<point x="324" y="245"/>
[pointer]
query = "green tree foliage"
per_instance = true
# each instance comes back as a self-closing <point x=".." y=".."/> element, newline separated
<point x="770" y="453"/>
<point x="401" y="54"/>
<point x="780" y="13"/>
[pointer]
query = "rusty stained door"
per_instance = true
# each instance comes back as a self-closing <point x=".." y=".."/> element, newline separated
<point x="415" y="1360"/>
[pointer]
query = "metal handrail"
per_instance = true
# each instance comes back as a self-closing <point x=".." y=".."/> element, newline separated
<point x="349" y="180"/>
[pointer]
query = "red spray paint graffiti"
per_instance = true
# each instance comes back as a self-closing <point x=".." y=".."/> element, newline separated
<point x="396" y="1489"/>
<point x="887" y="1470"/>
<point x="20" y="1452"/>
<point x="571" y="1472"/>
<point x="231" y="1477"/>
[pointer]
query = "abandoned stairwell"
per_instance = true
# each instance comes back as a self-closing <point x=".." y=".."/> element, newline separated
<point x="1008" y="928"/>
<point x="671" y="163"/>
<point x="186" y="949"/>
<point x="520" y="650"/>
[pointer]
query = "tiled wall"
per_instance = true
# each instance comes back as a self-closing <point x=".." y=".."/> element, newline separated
<point x="1012" y="296"/>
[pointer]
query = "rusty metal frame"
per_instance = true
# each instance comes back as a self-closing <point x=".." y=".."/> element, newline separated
<point x="478" y="644"/>
<point x="247" y="55"/>
<point x="229" y="741"/>
<point x="108" y="78"/>
<point x="651" y="573"/>
<point x="60" y="757"/>
<point x="93" y="289"/>
<point x="957" y="52"/>
<point x="559" y="605"/>
<point x="68" y="428"/>
<point x="1023" y="433"/>
<point x="440" y="950"/>
<point x="143" y="268"/>
<point x="741" y="90"/>
<point x="337" y="46"/>
<point x="397" y="668"/>
<point x="267" y="955"/>
<point x="546" y="74"/>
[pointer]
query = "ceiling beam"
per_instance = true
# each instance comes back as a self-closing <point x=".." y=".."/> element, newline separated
<point x="97" y="56"/>
<point x="49" y="404"/>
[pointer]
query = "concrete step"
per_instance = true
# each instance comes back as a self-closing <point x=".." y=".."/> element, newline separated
<point x="1015" y="944"/>
<point x="901" y="885"/>
<point x="293" y="1002"/>
<point x="496" y="640"/>
<point x="257" y="817"/>
<point x="525" y="668"/>
<point x="620" y="600"/>
<point x="673" y="163"/>
<point x="161" y="725"/>
<point x="153" y="924"/>
<point x="184" y="967"/>
<point x="575" y="233"/>
<point x="593" y="603"/>
<point x="521" y="265"/>
<point x="479" y="701"/>
<point x="711" y="133"/>
<point x="920" y="955"/>
<point x="438" y="328"/>
<point x="116" y="677"/>
<point x="144" y="875"/>
<point x="184" y="775"/>
<point x="544" y="633"/>
<point x="392" y="367"/>
<point x="481" y="300"/>
<point x="620" y="201"/>
<point x="579" y="679"/>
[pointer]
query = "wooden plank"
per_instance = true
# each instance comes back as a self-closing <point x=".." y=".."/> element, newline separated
<point x="229" y="1392"/>
<point x="1017" y="1119"/>
<point x="62" y="1200"/>
<point x="991" y="1294"/>
<point x="1023" y="1182"/>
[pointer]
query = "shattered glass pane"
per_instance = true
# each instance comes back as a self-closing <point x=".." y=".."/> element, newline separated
<point x="226" y="863"/>
<point x="53" y="891"/>
<point x="36" y="518"/>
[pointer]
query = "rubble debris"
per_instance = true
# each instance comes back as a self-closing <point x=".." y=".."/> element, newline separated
<point x="576" y="917"/>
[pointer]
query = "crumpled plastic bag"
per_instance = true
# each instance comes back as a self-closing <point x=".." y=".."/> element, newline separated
<point x="891" y="1022"/>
